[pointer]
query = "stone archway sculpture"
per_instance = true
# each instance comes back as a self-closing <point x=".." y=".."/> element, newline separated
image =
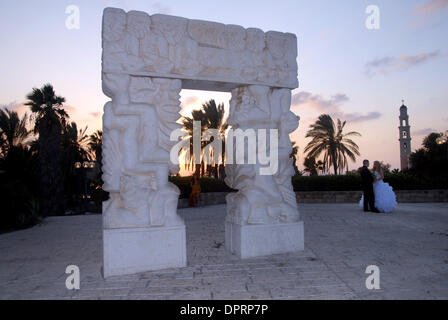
<point x="146" y="62"/>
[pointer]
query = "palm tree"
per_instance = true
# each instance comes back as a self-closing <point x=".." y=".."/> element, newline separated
<point x="189" y="158"/>
<point x="310" y="166"/>
<point x="50" y="119"/>
<point x="74" y="144"/>
<point x="329" y="139"/>
<point x="294" y="156"/>
<point x="213" y="116"/>
<point x="18" y="159"/>
<point x="320" y="166"/>
<point x="13" y="130"/>
<point x="95" y="145"/>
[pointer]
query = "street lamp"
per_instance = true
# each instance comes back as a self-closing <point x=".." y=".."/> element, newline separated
<point x="443" y="139"/>
<point x="85" y="166"/>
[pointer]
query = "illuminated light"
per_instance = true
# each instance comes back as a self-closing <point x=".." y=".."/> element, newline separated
<point x="441" y="140"/>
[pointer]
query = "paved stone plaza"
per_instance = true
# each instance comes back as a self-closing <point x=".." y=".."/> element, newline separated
<point x="410" y="246"/>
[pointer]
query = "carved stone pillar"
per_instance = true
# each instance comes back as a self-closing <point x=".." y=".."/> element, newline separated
<point x="141" y="228"/>
<point x="262" y="217"/>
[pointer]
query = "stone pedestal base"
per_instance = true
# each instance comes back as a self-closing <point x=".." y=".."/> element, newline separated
<point x="132" y="250"/>
<point x="259" y="240"/>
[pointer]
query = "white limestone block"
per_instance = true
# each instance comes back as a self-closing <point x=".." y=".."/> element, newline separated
<point x="132" y="250"/>
<point x="207" y="33"/>
<point x="255" y="40"/>
<point x="248" y="241"/>
<point x="154" y="50"/>
<point x="138" y="24"/>
<point x="199" y="51"/>
<point x="236" y="36"/>
<point x="114" y="24"/>
<point x="173" y="29"/>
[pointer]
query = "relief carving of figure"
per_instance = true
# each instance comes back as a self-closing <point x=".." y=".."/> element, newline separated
<point x="141" y="202"/>
<point x="137" y="125"/>
<point x="262" y="199"/>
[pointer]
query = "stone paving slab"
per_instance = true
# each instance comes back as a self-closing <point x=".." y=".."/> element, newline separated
<point x="410" y="246"/>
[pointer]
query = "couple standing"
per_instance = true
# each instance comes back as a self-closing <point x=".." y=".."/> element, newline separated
<point x="378" y="195"/>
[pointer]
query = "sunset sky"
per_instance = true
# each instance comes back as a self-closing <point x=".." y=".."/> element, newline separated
<point x="345" y="69"/>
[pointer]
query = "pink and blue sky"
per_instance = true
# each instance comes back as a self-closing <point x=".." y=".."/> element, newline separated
<point x="346" y="70"/>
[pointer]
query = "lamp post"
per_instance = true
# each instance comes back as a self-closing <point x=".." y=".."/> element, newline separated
<point x="442" y="140"/>
<point x="84" y="167"/>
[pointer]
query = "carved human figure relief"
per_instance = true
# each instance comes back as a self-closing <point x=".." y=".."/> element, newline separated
<point x="130" y="206"/>
<point x="137" y="124"/>
<point x="262" y="199"/>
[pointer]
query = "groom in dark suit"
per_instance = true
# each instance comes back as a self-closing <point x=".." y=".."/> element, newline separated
<point x="367" y="187"/>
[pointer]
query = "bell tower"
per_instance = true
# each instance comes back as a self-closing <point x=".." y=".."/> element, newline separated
<point x="405" y="137"/>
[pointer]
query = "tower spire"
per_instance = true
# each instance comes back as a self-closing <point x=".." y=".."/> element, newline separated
<point x="404" y="136"/>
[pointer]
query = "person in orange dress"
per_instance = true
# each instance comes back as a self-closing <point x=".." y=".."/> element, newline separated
<point x="195" y="191"/>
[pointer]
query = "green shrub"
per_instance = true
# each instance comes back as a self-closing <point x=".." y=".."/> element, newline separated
<point x="20" y="209"/>
<point x="207" y="185"/>
<point x="405" y="181"/>
<point x="352" y="182"/>
<point x="348" y="182"/>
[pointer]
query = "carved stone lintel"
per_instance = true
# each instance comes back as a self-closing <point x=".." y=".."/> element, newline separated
<point x="176" y="47"/>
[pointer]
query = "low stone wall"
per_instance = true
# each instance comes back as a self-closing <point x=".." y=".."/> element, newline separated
<point x="213" y="198"/>
<point x="422" y="195"/>
<point x="328" y="196"/>
<point x="355" y="196"/>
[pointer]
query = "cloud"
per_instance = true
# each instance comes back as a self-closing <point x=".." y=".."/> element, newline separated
<point x="387" y="65"/>
<point x="318" y="102"/>
<point x="431" y="7"/>
<point x="189" y="100"/>
<point x="95" y="114"/>
<point x="188" y="103"/>
<point x="423" y="132"/>
<point x="357" y="117"/>
<point x="331" y="106"/>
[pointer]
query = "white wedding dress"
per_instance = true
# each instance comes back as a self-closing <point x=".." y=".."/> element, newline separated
<point x="385" y="199"/>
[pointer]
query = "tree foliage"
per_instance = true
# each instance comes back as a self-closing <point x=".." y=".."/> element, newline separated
<point x="330" y="140"/>
<point x="431" y="159"/>
<point x="50" y="119"/>
<point x="211" y="116"/>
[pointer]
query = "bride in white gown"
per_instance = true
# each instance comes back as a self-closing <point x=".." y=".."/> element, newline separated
<point x="385" y="199"/>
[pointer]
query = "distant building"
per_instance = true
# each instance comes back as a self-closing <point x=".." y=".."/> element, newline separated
<point x="405" y="137"/>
